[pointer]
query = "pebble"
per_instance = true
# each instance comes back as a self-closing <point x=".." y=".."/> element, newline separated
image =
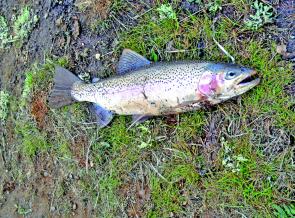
<point x="71" y="176"/>
<point x="58" y="22"/>
<point x="97" y="56"/>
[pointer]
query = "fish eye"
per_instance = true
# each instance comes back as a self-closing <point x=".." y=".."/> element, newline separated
<point x="230" y="75"/>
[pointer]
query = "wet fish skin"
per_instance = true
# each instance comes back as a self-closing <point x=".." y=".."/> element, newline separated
<point x="143" y="89"/>
<point x="167" y="88"/>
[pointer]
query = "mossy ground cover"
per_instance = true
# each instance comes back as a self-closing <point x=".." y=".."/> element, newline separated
<point x="235" y="159"/>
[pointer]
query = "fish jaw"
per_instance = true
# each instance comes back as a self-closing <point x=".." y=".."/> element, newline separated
<point x="243" y="83"/>
<point x="246" y="82"/>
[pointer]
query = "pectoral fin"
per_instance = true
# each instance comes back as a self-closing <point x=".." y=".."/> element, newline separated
<point x="103" y="117"/>
<point x="138" y="118"/>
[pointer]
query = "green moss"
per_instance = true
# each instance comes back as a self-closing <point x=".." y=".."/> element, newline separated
<point x="165" y="197"/>
<point x="32" y="139"/>
<point x="269" y="97"/>
<point x="149" y="36"/>
<point x="38" y="78"/>
<point x="63" y="147"/>
<point x="238" y="191"/>
<point x="4" y="105"/>
<point x="190" y="126"/>
<point x="179" y="176"/>
<point x="241" y="177"/>
<point x="117" y="135"/>
<point x="107" y="190"/>
<point x="250" y="186"/>
<point x="28" y="85"/>
<point x="23" y="25"/>
<point x="5" y="37"/>
<point x="183" y="171"/>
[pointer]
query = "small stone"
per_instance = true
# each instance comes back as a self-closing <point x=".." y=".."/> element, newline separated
<point x="45" y="174"/>
<point x="76" y="29"/>
<point x="75" y="206"/>
<point x="52" y="209"/>
<point x="202" y="172"/>
<point x="170" y="46"/>
<point x="281" y="49"/>
<point x="58" y="22"/>
<point x="97" y="56"/>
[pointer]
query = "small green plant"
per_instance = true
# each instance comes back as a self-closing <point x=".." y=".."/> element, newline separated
<point x="4" y="101"/>
<point x="5" y="37"/>
<point x="82" y="5"/>
<point x="284" y="211"/>
<point x="99" y="25"/>
<point x="33" y="140"/>
<point x="230" y="161"/>
<point x="262" y="16"/>
<point x="23" y="25"/>
<point x="195" y="1"/>
<point x="166" y="12"/>
<point x="22" y="211"/>
<point x="145" y="136"/>
<point x="28" y="85"/>
<point x="214" y="6"/>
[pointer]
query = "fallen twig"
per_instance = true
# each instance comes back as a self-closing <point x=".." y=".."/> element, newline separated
<point x="219" y="45"/>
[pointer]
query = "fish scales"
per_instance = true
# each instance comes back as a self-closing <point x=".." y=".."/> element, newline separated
<point x="143" y="89"/>
<point x="158" y="89"/>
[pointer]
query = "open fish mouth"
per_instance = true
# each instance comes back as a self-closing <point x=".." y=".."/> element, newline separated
<point x="250" y="80"/>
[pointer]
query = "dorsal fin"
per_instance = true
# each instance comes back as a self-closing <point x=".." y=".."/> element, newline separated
<point x="130" y="60"/>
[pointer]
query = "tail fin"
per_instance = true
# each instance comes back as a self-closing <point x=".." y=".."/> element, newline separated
<point x="61" y="91"/>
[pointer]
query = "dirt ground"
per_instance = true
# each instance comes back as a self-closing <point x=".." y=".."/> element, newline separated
<point x="64" y="28"/>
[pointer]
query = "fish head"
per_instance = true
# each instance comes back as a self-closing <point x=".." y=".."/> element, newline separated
<point x="229" y="80"/>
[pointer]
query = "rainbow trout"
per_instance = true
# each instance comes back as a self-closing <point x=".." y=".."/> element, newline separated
<point x="144" y="89"/>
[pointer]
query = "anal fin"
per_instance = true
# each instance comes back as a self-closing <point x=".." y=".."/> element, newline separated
<point x="103" y="117"/>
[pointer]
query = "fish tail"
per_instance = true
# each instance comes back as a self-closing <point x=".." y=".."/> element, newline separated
<point x="61" y="92"/>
